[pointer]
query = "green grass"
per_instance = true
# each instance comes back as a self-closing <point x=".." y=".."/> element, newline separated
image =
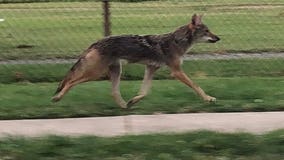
<point x="197" y="68"/>
<point x="67" y="28"/>
<point x="201" y="145"/>
<point x="27" y="100"/>
<point x="239" y="85"/>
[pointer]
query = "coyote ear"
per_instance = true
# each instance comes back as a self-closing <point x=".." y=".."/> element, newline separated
<point x="196" y="20"/>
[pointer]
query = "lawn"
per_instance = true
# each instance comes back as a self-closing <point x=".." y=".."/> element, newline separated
<point x="64" y="29"/>
<point x="239" y="85"/>
<point x="38" y="72"/>
<point x="202" y="145"/>
<point x="32" y="100"/>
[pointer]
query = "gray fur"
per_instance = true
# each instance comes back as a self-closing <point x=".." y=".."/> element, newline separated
<point x="148" y="49"/>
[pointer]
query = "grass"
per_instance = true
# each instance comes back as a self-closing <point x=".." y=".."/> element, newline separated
<point x="201" y="145"/>
<point x="239" y="85"/>
<point x="65" y="29"/>
<point x="27" y="100"/>
<point x="198" y="68"/>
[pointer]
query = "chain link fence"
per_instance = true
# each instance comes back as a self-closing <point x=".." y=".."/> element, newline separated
<point x="55" y="31"/>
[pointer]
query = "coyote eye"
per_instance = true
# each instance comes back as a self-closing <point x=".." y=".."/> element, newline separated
<point x="206" y="30"/>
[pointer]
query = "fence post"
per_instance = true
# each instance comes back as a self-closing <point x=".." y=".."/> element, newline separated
<point x="106" y="16"/>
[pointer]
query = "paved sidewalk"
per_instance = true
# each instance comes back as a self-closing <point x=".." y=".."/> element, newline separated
<point x="253" y="122"/>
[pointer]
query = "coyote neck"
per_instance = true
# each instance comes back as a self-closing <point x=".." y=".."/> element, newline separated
<point x="179" y="40"/>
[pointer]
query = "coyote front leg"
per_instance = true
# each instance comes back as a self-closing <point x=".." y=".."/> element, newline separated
<point x="178" y="73"/>
<point x="146" y="85"/>
<point x="115" y="73"/>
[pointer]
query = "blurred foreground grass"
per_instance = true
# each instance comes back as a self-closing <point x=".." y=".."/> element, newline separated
<point x="202" y="145"/>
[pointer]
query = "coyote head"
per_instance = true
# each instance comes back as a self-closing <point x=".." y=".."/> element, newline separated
<point x="200" y="32"/>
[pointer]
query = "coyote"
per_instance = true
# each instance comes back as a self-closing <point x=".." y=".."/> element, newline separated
<point x="154" y="51"/>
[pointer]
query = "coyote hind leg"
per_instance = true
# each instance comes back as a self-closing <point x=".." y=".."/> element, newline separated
<point x="146" y="85"/>
<point x="115" y="73"/>
<point x="89" y="67"/>
<point x="67" y="87"/>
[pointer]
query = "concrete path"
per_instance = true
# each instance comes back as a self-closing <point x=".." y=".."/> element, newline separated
<point x="255" y="122"/>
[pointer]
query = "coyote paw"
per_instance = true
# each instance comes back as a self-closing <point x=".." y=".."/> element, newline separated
<point x="134" y="100"/>
<point x="123" y="105"/>
<point x="130" y="103"/>
<point x="55" y="99"/>
<point x="210" y="99"/>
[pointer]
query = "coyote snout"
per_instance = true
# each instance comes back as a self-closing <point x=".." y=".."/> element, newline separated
<point x="152" y="50"/>
<point x="214" y="39"/>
